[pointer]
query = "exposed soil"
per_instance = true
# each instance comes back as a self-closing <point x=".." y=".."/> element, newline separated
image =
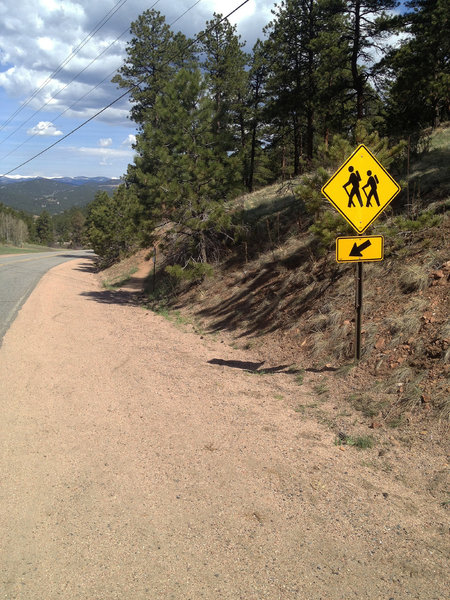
<point x="141" y="460"/>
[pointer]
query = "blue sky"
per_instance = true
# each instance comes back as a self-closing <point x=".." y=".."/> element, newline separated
<point x="38" y="35"/>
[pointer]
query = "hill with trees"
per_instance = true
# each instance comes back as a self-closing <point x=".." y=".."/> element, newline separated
<point x="232" y="151"/>
<point x="215" y="121"/>
<point x="33" y="195"/>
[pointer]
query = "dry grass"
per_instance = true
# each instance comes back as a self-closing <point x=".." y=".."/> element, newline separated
<point x="329" y="334"/>
<point x="413" y="278"/>
<point x="445" y="335"/>
<point x="405" y="326"/>
<point x="267" y="195"/>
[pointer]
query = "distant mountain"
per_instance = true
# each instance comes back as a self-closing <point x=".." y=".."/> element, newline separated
<point x="34" y="194"/>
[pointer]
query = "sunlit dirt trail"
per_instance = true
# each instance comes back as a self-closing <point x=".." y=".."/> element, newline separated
<point x="141" y="461"/>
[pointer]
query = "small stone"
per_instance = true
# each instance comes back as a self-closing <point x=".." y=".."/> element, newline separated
<point x="380" y="343"/>
<point x="375" y="425"/>
<point x="439" y="274"/>
<point x="426" y="398"/>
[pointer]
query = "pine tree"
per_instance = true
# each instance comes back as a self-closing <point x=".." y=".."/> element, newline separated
<point x="309" y="77"/>
<point x="182" y="174"/>
<point x="365" y="28"/>
<point x="223" y="61"/>
<point x="418" y="72"/>
<point x="111" y="225"/>
<point x="252" y="154"/>
<point x="153" y="55"/>
<point x="333" y="72"/>
<point x="290" y="71"/>
<point x="44" y="228"/>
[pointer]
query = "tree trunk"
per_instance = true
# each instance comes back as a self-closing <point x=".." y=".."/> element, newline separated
<point x="358" y="82"/>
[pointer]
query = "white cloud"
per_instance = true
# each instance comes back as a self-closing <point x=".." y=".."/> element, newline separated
<point x="105" y="142"/>
<point x="36" y="36"/>
<point x="100" y="152"/>
<point x="45" y="43"/>
<point x="44" y="128"/>
<point x="129" y="141"/>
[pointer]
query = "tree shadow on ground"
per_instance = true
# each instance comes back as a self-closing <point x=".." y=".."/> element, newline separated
<point x="258" y="303"/>
<point x="115" y="297"/>
<point x="88" y="267"/>
<point x="252" y="367"/>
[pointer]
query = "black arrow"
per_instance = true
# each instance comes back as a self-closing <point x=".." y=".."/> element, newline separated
<point x="357" y="250"/>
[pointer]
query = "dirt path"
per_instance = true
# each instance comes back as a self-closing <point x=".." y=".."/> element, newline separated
<point x="135" y="468"/>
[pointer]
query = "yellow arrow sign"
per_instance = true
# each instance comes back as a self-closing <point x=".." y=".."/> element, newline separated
<point x="361" y="189"/>
<point x="364" y="248"/>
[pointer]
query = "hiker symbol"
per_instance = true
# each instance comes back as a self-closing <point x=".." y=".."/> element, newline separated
<point x="353" y="180"/>
<point x="372" y="183"/>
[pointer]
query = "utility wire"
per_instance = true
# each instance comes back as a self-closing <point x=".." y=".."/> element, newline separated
<point x="189" y="45"/>
<point x="61" y="90"/>
<point x="72" y="80"/>
<point x="74" y="52"/>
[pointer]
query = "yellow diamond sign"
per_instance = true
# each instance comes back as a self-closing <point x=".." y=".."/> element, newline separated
<point x="361" y="189"/>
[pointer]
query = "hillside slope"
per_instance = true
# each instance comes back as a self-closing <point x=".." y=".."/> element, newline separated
<point x="294" y="310"/>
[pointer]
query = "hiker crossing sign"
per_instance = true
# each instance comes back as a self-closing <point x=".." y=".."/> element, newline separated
<point x="361" y="189"/>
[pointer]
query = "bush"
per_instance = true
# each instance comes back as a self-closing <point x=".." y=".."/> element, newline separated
<point x="193" y="271"/>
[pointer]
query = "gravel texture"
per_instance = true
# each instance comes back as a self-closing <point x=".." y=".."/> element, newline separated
<point x="143" y="461"/>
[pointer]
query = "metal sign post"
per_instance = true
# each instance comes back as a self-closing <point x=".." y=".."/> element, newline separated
<point x="154" y="268"/>
<point x="358" y="306"/>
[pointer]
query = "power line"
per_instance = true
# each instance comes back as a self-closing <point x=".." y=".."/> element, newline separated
<point x="74" y="52"/>
<point x="74" y="78"/>
<point x="61" y="90"/>
<point x="189" y="45"/>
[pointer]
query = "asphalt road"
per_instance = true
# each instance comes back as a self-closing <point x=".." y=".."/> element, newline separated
<point x="19" y="275"/>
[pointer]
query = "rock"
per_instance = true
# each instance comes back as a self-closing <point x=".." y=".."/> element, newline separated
<point x="380" y="343"/>
<point x="439" y="274"/>
<point x="426" y="398"/>
<point x="375" y="425"/>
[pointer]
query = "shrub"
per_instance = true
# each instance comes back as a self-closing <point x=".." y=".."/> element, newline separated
<point x="193" y="271"/>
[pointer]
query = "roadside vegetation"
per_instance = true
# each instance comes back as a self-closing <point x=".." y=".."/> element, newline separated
<point x="231" y="153"/>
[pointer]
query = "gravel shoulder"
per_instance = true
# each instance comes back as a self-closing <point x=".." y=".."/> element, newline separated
<point x="141" y="461"/>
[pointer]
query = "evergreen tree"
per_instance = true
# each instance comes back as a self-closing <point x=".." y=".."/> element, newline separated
<point x="418" y="71"/>
<point x="111" y="225"/>
<point x="366" y="25"/>
<point x="223" y="62"/>
<point x="182" y="174"/>
<point x="290" y="87"/>
<point x="153" y="55"/>
<point x="44" y="229"/>
<point x="309" y="58"/>
<point x="252" y="156"/>
<point x="333" y="72"/>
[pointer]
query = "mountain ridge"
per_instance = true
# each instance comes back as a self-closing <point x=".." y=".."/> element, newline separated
<point x="54" y="194"/>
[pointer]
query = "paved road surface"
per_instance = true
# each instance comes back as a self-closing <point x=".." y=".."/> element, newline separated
<point x="19" y="275"/>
